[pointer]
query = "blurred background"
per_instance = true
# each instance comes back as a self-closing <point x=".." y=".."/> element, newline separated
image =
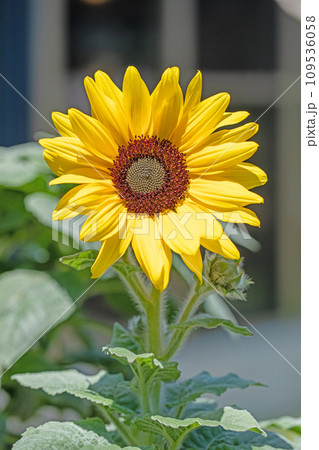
<point x="249" y="48"/>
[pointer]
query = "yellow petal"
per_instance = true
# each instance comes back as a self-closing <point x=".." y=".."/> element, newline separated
<point x="193" y="96"/>
<point x="93" y="135"/>
<point x="106" y="85"/>
<point x="79" y="176"/>
<point x="230" y="118"/>
<point x="219" y="157"/>
<point x="200" y="221"/>
<point x="241" y="215"/>
<point x="177" y="234"/>
<point x="82" y="199"/>
<point x="64" y="154"/>
<point x="62" y="124"/>
<point x="137" y="102"/>
<point x="194" y="263"/>
<point x="203" y="119"/>
<point x="239" y="134"/>
<point x="105" y="223"/>
<point x="153" y="255"/>
<point x="248" y="175"/>
<point x="193" y="93"/>
<point x="111" y="250"/>
<point x="217" y="195"/>
<point x="223" y="247"/>
<point x="108" y="112"/>
<point x="167" y="101"/>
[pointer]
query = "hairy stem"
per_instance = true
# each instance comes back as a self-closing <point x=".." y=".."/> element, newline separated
<point x="154" y="323"/>
<point x="121" y="427"/>
<point x="187" y="312"/>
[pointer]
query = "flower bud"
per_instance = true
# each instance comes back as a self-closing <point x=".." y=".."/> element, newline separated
<point x="227" y="276"/>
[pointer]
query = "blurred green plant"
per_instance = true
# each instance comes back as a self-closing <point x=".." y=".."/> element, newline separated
<point x="36" y="289"/>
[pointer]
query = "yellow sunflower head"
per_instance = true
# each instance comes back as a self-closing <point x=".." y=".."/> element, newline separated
<point x="154" y="171"/>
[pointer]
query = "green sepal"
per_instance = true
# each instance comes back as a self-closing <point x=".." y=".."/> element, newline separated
<point x="127" y="269"/>
<point x="81" y="260"/>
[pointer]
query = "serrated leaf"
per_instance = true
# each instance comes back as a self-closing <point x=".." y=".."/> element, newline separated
<point x="123" y="338"/>
<point x="203" y="383"/>
<point x="31" y="303"/>
<point x="21" y="164"/>
<point x="110" y="390"/>
<point x="152" y="368"/>
<point x="81" y="260"/>
<point x="60" y="436"/>
<point x="219" y="439"/>
<point x="206" y="321"/>
<point x="176" y="429"/>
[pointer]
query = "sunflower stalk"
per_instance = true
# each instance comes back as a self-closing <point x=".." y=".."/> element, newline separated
<point x="190" y="307"/>
<point x="147" y="152"/>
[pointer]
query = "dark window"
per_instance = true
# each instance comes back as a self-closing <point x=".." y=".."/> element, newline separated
<point x="237" y="34"/>
<point x="123" y="31"/>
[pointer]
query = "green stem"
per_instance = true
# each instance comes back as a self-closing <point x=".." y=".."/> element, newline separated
<point x="121" y="427"/>
<point x="189" y="309"/>
<point x="154" y="323"/>
<point x="145" y="407"/>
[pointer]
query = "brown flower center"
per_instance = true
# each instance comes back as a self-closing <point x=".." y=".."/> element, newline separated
<point x="145" y="175"/>
<point x="150" y="175"/>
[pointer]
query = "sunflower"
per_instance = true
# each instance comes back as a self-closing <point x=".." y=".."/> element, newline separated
<point x="152" y="171"/>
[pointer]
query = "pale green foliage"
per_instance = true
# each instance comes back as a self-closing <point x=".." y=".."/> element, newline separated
<point x="110" y="390"/>
<point x="21" y="164"/>
<point x="31" y="303"/>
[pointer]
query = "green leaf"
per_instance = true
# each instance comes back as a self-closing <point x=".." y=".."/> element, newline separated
<point x="62" y="436"/>
<point x="199" y="408"/>
<point x="285" y="423"/>
<point x="81" y="260"/>
<point x="123" y="338"/>
<point x="176" y="429"/>
<point x="203" y="383"/>
<point x="152" y="368"/>
<point x="111" y="447"/>
<point x="31" y="303"/>
<point x="219" y="439"/>
<point x="206" y="321"/>
<point x="110" y="390"/>
<point x="21" y="164"/>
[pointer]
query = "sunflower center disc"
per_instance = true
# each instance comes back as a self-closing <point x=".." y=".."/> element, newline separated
<point x="150" y="175"/>
<point x="145" y="175"/>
